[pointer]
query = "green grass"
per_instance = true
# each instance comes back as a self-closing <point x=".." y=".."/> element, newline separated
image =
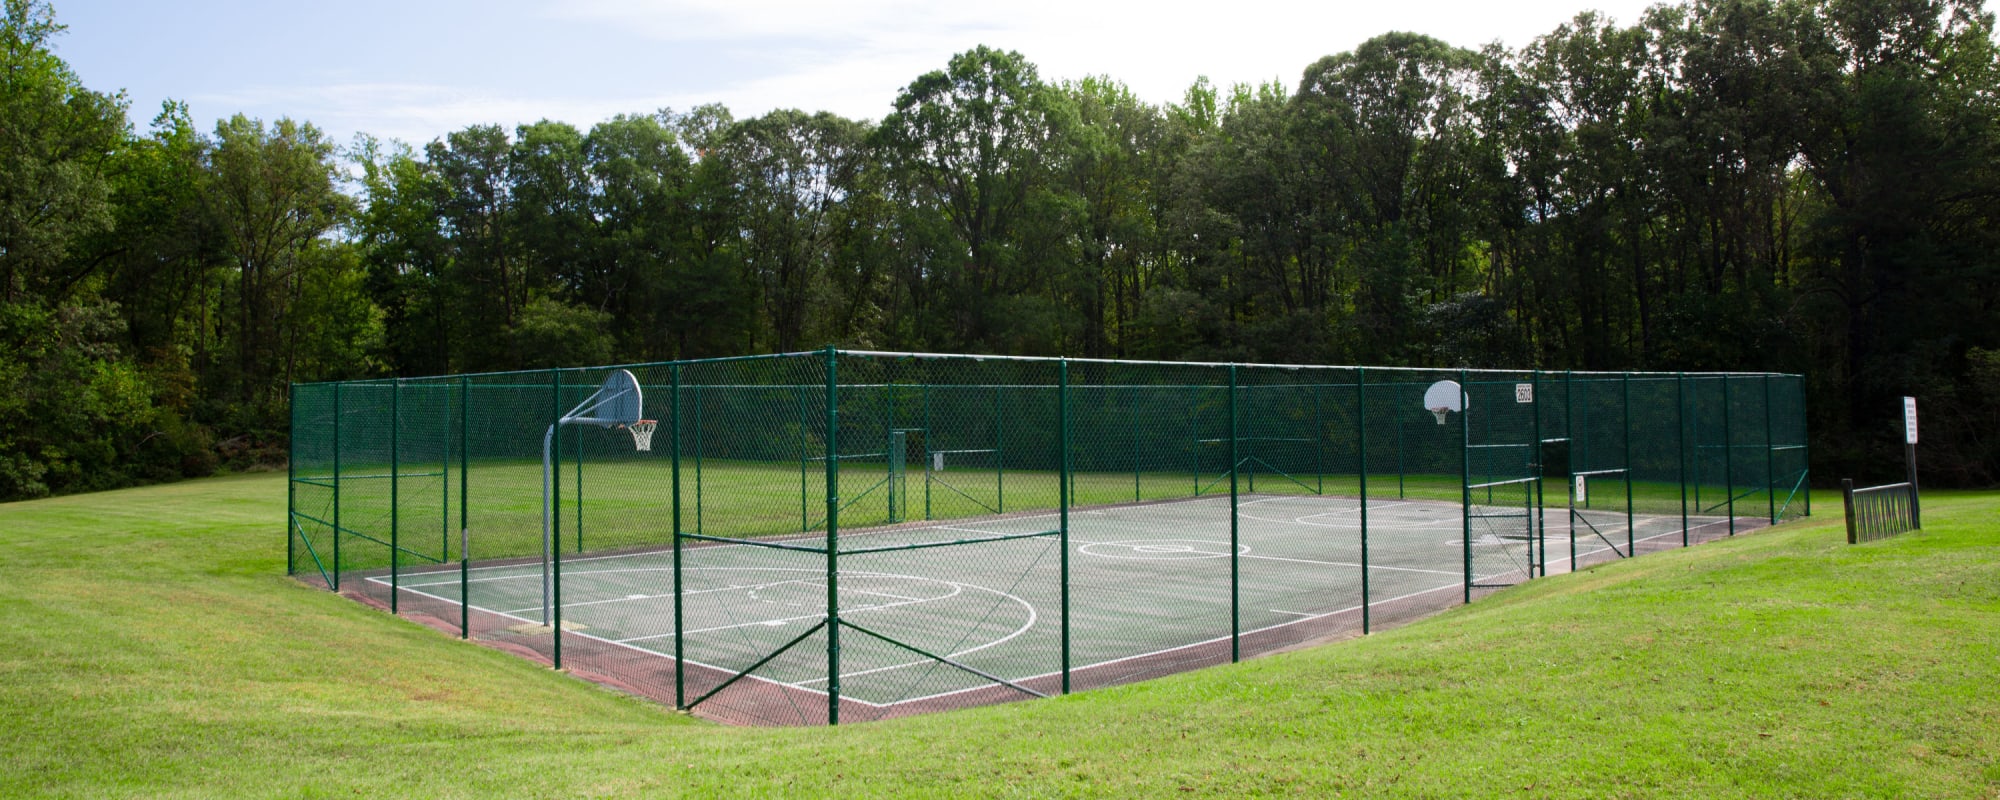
<point x="155" y="649"/>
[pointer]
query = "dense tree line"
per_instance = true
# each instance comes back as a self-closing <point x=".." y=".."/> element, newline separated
<point x="1805" y="186"/>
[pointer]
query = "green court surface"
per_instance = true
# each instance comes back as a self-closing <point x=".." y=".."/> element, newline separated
<point x="1148" y="581"/>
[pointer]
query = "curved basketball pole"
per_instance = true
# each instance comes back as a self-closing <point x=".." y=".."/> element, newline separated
<point x="617" y="402"/>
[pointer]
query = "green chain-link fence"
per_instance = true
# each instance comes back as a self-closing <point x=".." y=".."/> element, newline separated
<point x="836" y="536"/>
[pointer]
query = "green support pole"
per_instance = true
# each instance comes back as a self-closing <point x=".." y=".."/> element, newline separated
<point x="832" y="536"/>
<point x="1132" y="412"/>
<point x="674" y="436"/>
<point x="336" y="487"/>
<point x="578" y="500"/>
<point x="555" y="517"/>
<point x="1569" y="432"/>
<point x="1399" y="444"/>
<point x="999" y="453"/>
<point x="1318" y="444"/>
<point x="1063" y="500"/>
<point x="805" y="413"/>
<point x="1361" y="470"/>
<point x="1541" y="522"/>
<point x="1770" y="460"/>
<point x="444" y="478"/>
<point x="464" y="518"/>
<point x="700" y="447"/>
<point x="1680" y="431"/>
<point x="291" y="477"/>
<point x="1235" y="596"/>
<point x="395" y="493"/>
<point x="1465" y="478"/>
<point x="1728" y="457"/>
<point x="1631" y="537"/>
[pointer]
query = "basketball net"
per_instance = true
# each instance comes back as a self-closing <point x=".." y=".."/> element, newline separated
<point x="642" y="433"/>
<point x="1439" y="413"/>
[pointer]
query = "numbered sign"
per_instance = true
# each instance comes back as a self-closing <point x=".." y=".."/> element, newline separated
<point x="1524" y="393"/>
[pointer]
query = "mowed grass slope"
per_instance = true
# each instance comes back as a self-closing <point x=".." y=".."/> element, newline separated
<point x="154" y="648"/>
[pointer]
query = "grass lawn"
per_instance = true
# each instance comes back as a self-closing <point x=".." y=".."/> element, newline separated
<point x="156" y="649"/>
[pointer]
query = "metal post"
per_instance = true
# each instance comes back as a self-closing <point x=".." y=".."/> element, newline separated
<point x="1235" y="596"/>
<point x="1631" y="538"/>
<point x="832" y="536"/>
<point x="1770" y="457"/>
<point x="1063" y="500"/>
<point x="464" y="517"/>
<point x="1465" y="477"/>
<point x="1541" y="523"/>
<point x="680" y="595"/>
<point x="336" y="487"/>
<point x="555" y="525"/>
<point x="1132" y="413"/>
<point x="1847" y="495"/>
<point x="1728" y="457"/>
<point x="999" y="454"/>
<point x="1361" y="461"/>
<point x="395" y="493"/>
<point x="1681" y="450"/>
<point x="1569" y="481"/>
<point x="1910" y="464"/>
<point x="291" y="477"/>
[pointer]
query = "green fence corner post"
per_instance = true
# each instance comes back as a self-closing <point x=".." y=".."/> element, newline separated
<point x="832" y="536"/>
<point x="464" y="517"/>
<point x="1465" y="476"/>
<point x="1235" y="561"/>
<point x="291" y="474"/>
<point x="1681" y="450"/>
<point x="395" y="491"/>
<point x="1631" y="537"/>
<point x="1770" y="458"/>
<point x="1728" y="457"/>
<point x="1361" y="470"/>
<point x="680" y="595"/>
<point x="337" y="414"/>
<point x="1063" y="500"/>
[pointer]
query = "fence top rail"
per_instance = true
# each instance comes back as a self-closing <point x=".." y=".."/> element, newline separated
<point x="1516" y="373"/>
<point x="1900" y="487"/>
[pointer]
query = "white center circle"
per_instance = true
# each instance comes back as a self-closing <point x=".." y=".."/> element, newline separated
<point x="1161" y="549"/>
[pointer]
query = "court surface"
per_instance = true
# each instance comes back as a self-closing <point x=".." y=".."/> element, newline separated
<point x="1147" y="581"/>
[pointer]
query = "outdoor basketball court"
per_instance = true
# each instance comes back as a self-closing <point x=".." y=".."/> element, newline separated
<point x="1147" y="581"/>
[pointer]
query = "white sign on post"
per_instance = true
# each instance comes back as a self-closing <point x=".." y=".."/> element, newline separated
<point x="1582" y="489"/>
<point x="1909" y="420"/>
<point x="1524" y="393"/>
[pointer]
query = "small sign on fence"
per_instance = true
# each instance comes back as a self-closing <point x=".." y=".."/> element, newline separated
<point x="1524" y="393"/>
<point x="1909" y="420"/>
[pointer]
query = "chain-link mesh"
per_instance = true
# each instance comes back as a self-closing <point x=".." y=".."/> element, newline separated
<point x="842" y="536"/>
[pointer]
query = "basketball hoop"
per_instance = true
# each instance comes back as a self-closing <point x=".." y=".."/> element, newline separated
<point x="642" y="433"/>
<point x="1439" y="413"/>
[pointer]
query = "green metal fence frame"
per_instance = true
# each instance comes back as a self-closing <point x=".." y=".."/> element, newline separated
<point x="1238" y="468"/>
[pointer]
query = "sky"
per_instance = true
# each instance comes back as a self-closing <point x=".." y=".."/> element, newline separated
<point x="414" y="70"/>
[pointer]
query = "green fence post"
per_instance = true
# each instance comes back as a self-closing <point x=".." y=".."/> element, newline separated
<point x="1132" y="412"/>
<point x="1063" y="500"/>
<point x="999" y="454"/>
<point x="555" y="516"/>
<point x="1728" y="457"/>
<point x="1680" y="432"/>
<point x="1569" y="433"/>
<point x="1361" y="464"/>
<point x="1235" y="596"/>
<point x="337" y="414"/>
<point x="680" y="614"/>
<point x="832" y="536"/>
<point x="1770" y="459"/>
<point x="1465" y="476"/>
<point x="395" y="492"/>
<point x="464" y="516"/>
<point x="291" y="475"/>
<point x="444" y="476"/>
<point x="1631" y="538"/>
<point x="1540" y="530"/>
<point x="805" y="413"/>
